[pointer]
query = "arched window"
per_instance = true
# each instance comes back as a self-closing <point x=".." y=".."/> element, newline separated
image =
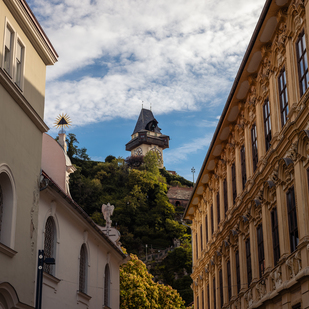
<point x="83" y="269"/>
<point x="7" y="207"/>
<point x="107" y="286"/>
<point x="50" y="244"/>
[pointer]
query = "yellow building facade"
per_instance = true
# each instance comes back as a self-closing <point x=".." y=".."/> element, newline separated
<point x="250" y="206"/>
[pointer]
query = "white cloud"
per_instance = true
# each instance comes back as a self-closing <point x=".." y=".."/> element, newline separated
<point x="174" y="54"/>
<point x="181" y="153"/>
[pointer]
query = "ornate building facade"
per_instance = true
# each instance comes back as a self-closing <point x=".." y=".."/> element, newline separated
<point x="250" y="206"/>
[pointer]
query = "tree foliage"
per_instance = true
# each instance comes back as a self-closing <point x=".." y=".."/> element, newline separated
<point x="138" y="290"/>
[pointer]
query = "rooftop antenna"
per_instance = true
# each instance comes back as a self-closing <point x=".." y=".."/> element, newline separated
<point x="150" y="106"/>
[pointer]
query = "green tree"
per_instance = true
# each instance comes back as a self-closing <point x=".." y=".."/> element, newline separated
<point x="138" y="290"/>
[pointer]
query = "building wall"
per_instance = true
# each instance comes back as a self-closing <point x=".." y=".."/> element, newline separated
<point x="223" y="232"/>
<point x="20" y="156"/>
<point x="61" y="290"/>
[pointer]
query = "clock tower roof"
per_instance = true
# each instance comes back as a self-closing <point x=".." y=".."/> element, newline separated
<point x="146" y="121"/>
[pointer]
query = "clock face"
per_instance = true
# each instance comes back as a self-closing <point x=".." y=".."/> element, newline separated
<point x="138" y="151"/>
<point x="159" y="153"/>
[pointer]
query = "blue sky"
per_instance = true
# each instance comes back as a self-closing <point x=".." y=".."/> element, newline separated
<point x="178" y="56"/>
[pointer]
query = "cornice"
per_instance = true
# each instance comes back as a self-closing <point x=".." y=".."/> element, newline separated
<point x="22" y="102"/>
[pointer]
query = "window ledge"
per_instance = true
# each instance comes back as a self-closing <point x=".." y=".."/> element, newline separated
<point x="106" y="307"/>
<point x="83" y="298"/>
<point x="50" y="280"/>
<point x="7" y="250"/>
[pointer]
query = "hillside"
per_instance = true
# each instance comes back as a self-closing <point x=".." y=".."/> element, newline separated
<point x="142" y="214"/>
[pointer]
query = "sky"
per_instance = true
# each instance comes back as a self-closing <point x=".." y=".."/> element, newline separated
<point x="176" y="57"/>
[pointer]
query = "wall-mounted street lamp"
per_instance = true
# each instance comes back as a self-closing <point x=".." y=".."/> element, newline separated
<point x="39" y="281"/>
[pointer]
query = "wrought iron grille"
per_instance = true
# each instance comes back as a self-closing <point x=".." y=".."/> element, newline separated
<point x="49" y="244"/>
<point x="82" y="269"/>
<point x="1" y="209"/>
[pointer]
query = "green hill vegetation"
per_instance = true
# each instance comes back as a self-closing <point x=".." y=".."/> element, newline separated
<point x="142" y="214"/>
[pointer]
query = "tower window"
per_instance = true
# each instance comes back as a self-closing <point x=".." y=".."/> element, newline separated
<point x="226" y="206"/>
<point x="237" y="270"/>
<point x="206" y="227"/>
<point x="221" y="288"/>
<point x="201" y="232"/>
<point x="107" y="286"/>
<point x="212" y="219"/>
<point x="229" y="285"/>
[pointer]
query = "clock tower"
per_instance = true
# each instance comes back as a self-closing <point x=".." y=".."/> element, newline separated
<point x="147" y="136"/>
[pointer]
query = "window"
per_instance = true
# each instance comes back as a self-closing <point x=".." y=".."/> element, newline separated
<point x="19" y="64"/>
<point x="248" y="259"/>
<point x="1" y="208"/>
<point x="283" y="96"/>
<point x="297" y="306"/>
<point x="212" y="219"/>
<point x="203" y="307"/>
<point x="293" y="229"/>
<point x="254" y="147"/>
<point x="259" y="230"/>
<point x="8" y="50"/>
<point x="237" y="271"/>
<point x="208" y="300"/>
<point x="302" y="63"/>
<point x="214" y="291"/>
<point x="267" y="124"/>
<point x="218" y="207"/>
<point x="229" y="285"/>
<point x="226" y="206"/>
<point x="243" y="166"/>
<point x="221" y="288"/>
<point x="83" y="269"/>
<point x="107" y="286"/>
<point x="201" y="232"/>
<point x="234" y="182"/>
<point x="50" y="244"/>
<point x="196" y="246"/>
<point x="197" y="302"/>
<point x="275" y="234"/>
<point x="206" y="227"/>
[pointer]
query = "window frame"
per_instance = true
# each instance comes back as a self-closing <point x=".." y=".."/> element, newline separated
<point x="254" y="145"/>
<point x="261" y="255"/>
<point x="221" y="288"/>
<point x="226" y="205"/>
<point x="248" y="261"/>
<point x="83" y="269"/>
<point x="107" y="287"/>
<point x="234" y="186"/>
<point x="229" y="280"/>
<point x="275" y="235"/>
<point x="50" y="240"/>
<point x="238" y="283"/>
<point x="292" y="218"/>
<point x="218" y="208"/>
<point x="283" y="96"/>
<point x="13" y="62"/>
<point x="243" y="166"/>
<point x="302" y="63"/>
<point x="267" y="124"/>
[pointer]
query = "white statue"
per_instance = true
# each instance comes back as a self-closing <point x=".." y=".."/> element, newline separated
<point x="107" y="211"/>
